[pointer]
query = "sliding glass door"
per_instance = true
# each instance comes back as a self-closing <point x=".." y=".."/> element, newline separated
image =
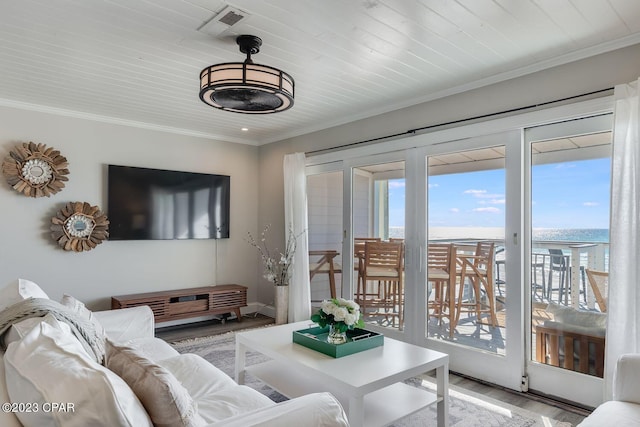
<point x="471" y="210"/>
<point x="570" y="165"/>
<point x="492" y="244"/>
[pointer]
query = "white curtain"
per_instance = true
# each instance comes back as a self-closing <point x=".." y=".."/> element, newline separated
<point x="295" y="216"/>
<point x="623" y="327"/>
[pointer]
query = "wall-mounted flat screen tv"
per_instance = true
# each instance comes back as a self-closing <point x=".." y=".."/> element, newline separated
<point x="154" y="204"/>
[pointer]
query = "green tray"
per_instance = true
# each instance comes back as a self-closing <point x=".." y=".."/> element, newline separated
<point x="316" y="339"/>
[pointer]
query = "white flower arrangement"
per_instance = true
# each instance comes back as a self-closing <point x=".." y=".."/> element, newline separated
<point x="342" y="313"/>
<point x="276" y="267"/>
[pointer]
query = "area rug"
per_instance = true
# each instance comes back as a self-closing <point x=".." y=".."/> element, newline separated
<point x="466" y="408"/>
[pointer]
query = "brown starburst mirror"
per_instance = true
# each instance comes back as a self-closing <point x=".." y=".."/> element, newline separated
<point x="35" y="170"/>
<point x="79" y="227"/>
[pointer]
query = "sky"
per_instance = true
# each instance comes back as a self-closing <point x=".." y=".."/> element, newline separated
<point x="564" y="195"/>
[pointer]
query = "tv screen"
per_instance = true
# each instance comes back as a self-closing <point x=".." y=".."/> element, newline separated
<point x="154" y="204"/>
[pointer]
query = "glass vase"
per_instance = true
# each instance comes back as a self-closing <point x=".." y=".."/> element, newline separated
<point x="336" y="336"/>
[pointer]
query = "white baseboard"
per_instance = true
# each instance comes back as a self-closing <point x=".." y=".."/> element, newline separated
<point x="267" y="310"/>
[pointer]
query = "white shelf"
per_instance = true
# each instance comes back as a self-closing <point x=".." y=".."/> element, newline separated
<point x="382" y="407"/>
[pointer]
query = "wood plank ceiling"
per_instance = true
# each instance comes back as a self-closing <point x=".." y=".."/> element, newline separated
<point x="138" y="61"/>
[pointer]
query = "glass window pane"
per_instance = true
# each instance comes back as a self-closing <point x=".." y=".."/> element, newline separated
<point x="324" y="200"/>
<point x="378" y="225"/>
<point x="466" y="290"/>
<point x="570" y="191"/>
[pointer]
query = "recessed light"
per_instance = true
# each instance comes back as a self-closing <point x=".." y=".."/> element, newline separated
<point x="244" y="129"/>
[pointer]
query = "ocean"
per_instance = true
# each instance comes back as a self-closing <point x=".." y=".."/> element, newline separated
<point x="574" y="235"/>
<point x="587" y="235"/>
<point x="542" y="238"/>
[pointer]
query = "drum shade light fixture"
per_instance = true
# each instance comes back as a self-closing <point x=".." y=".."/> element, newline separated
<point x="245" y="87"/>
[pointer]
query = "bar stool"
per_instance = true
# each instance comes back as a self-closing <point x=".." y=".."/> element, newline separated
<point x="441" y="272"/>
<point x="325" y="265"/>
<point x="538" y="263"/>
<point x="558" y="263"/>
<point x="479" y="269"/>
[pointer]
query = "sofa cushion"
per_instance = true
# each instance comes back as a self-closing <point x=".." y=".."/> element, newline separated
<point x="167" y="402"/>
<point x="127" y="323"/>
<point x="197" y="375"/>
<point x="232" y="401"/>
<point x="18" y="290"/>
<point x="315" y="409"/>
<point x="613" y="413"/>
<point x="217" y="395"/>
<point x="152" y="348"/>
<point x="593" y="320"/>
<point x="50" y="365"/>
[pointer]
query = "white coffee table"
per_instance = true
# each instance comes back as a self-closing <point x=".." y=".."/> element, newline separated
<point x="368" y="384"/>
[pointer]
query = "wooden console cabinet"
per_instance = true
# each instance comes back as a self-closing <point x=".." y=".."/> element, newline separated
<point x="186" y="303"/>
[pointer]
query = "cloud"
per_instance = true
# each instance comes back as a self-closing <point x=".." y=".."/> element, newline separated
<point x="396" y="184"/>
<point x="590" y="204"/>
<point x="434" y="185"/>
<point x="496" y="199"/>
<point x="565" y="166"/>
<point x="491" y="202"/>
<point x="489" y="209"/>
<point x="454" y="210"/>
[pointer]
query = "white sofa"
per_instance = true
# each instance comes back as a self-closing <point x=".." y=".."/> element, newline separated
<point x="624" y="409"/>
<point x="48" y="378"/>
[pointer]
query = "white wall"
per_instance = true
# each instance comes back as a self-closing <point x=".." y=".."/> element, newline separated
<point x="121" y="267"/>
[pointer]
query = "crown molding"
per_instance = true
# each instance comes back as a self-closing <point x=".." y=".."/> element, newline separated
<point x="122" y="122"/>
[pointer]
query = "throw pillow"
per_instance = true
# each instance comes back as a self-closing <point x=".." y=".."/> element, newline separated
<point x="18" y="330"/>
<point x="18" y="290"/>
<point x="167" y="402"/>
<point x="49" y="365"/>
<point x="7" y="419"/>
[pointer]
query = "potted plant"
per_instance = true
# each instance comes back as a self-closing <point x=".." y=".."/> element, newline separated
<point x="277" y="267"/>
<point x="341" y="315"/>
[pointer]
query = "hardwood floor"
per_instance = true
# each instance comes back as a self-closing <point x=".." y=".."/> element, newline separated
<point x="538" y="404"/>
<point x="541" y="405"/>
<point x="211" y="327"/>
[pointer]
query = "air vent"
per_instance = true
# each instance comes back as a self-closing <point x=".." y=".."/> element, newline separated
<point x="230" y="18"/>
<point x="224" y="20"/>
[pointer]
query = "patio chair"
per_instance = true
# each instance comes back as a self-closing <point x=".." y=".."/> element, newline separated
<point x="380" y="286"/>
<point x="479" y="269"/>
<point x="599" y="281"/>
<point x="358" y="254"/>
<point x="324" y="263"/>
<point x="441" y="272"/>
<point x="574" y="339"/>
<point x="559" y="263"/>
<point x="538" y="263"/>
<point x="499" y="263"/>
